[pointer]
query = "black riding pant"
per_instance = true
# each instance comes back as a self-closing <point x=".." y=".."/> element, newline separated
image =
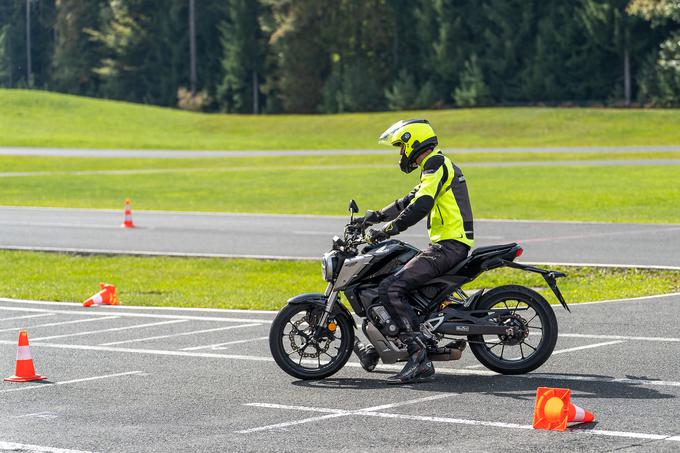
<point x="432" y="262"/>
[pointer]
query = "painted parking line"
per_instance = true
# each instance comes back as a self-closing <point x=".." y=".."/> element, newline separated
<point x="27" y="316"/>
<point x="562" y="351"/>
<point x="140" y="307"/>
<point x="218" y="346"/>
<point x="13" y="446"/>
<point x="72" y="381"/>
<point x="445" y="371"/>
<point x="102" y="318"/>
<point x="377" y="412"/>
<point x="588" y="346"/>
<point x="334" y="413"/>
<point x="97" y="312"/>
<point x="619" y="337"/>
<point x="113" y="329"/>
<point x="193" y="332"/>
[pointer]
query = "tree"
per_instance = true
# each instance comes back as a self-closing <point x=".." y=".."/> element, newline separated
<point x="5" y="64"/>
<point x="75" y="53"/>
<point x="145" y="46"/>
<point x="472" y="90"/>
<point x="660" y="76"/>
<point x="243" y="52"/>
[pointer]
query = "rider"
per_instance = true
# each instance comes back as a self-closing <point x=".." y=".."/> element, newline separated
<point x="442" y="196"/>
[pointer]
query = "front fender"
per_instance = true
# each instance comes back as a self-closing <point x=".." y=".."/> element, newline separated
<point x="320" y="300"/>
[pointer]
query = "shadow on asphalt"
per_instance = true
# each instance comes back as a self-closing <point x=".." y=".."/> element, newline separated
<point x="502" y="386"/>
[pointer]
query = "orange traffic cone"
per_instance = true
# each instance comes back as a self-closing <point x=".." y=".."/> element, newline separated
<point x="107" y="296"/>
<point x="24" y="371"/>
<point x="553" y="410"/>
<point x="127" y="223"/>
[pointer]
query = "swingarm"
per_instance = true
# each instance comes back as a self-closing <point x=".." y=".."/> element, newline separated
<point x="474" y="322"/>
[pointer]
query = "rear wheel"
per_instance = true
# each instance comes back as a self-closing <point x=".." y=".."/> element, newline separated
<point x="301" y="353"/>
<point x="535" y="326"/>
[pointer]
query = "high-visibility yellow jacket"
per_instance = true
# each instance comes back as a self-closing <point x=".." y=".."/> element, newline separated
<point x="442" y="195"/>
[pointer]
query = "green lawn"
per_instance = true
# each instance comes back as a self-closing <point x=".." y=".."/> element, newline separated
<point x="316" y="185"/>
<point x="34" y="118"/>
<point x="255" y="284"/>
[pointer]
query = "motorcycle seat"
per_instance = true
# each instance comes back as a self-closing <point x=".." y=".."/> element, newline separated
<point x="492" y="249"/>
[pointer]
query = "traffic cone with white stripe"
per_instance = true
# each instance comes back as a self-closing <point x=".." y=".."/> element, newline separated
<point x="24" y="371"/>
<point x="554" y="409"/>
<point x="127" y="223"/>
<point x="107" y="296"/>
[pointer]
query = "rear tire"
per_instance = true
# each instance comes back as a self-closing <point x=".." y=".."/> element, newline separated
<point x="514" y="295"/>
<point x="280" y="336"/>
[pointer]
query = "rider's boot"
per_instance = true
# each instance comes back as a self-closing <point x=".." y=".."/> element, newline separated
<point x="418" y="366"/>
<point x="368" y="356"/>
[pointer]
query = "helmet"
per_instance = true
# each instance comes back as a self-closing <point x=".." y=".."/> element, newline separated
<point x="414" y="137"/>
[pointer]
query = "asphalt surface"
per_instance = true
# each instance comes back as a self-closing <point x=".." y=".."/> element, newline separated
<point x="132" y="379"/>
<point x="175" y="154"/>
<point x="280" y="236"/>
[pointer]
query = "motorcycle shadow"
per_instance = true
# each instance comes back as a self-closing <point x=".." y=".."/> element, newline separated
<point x="515" y="387"/>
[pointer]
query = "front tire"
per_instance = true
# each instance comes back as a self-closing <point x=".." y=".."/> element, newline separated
<point x="294" y="350"/>
<point x="499" y="352"/>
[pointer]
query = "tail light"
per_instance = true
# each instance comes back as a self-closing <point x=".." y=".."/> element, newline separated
<point x="519" y="252"/>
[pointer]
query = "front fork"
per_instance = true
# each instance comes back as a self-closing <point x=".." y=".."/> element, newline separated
<point x="331" y="298"/>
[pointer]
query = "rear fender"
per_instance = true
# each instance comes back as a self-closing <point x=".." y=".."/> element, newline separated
<point x="318" y="299"/>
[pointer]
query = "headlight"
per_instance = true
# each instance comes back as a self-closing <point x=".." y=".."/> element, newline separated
<point x="328" y="265"/>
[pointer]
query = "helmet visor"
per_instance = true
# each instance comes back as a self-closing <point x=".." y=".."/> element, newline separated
<point x="386" y="137"/>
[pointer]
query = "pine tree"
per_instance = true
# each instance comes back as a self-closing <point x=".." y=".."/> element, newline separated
<point x="243" y="52"/>
<point x="145" y="50"/>
<point x="75" y="53"/>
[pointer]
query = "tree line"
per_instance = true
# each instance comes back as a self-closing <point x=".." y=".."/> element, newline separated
<point x="300" y="56"/>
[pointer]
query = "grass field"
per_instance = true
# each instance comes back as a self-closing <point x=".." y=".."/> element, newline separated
<point x="266" y="285"/>
<point x="34" y="118"/>
<point x="322" y="185"/>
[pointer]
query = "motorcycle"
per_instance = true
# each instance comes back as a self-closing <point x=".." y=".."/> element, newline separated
<point x="510" y="329"/>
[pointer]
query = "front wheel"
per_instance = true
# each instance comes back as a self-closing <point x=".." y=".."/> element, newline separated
<point x="536" y="331"/>
<point x="305" y="350"/>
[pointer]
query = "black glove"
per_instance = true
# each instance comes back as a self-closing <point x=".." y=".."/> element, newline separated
<point x="370" y="218"/>
<point x="373" y="236"/>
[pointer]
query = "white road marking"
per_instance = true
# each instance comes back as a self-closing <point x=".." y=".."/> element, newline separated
<point x="102" y="318"/>
<point x="592" y="235"/>
<point x="60" y="225"/>
<point x="273" y="312"/>
<point x="13" y="446"/>
<point x="615" y="337"/>
<point x="45" y="414"/>
<point x="336" y="413"/>
<point x="97" y="312"/>
<point x="138" y="307"/>
<point x="113" y="329"/>
<point x="374" y="412"/>
<point x="153" y="253"/>
<point x="218" y="345"/>
<point x="562" y="351"/>
<point x="72" y="381"/>
<point x="588" y="346"/>
<point x="27" y="316"/>
<point x="448" y="371"/>
<point x="624" y="266"/>
<point x="194" y="332"/>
